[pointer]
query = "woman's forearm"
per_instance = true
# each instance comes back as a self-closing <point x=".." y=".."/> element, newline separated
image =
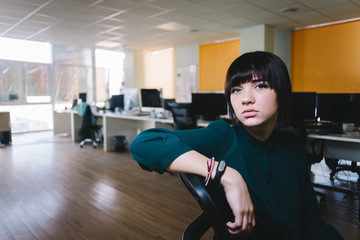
<point x="190" y="162"/>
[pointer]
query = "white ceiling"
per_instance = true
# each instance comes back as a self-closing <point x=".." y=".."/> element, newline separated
<point x="158" y="24"/>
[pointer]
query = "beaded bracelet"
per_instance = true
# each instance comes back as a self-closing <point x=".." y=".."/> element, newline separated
<point x="210" y="168"/>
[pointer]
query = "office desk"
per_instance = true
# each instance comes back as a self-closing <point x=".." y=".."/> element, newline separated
<point x="62" y="122"/>
<point x="69" y="122"/>
<point x="341" y="146"/>
<point x="5" y="128"/>
<point x="129" y="126"/>
<point x="114" y="124"/>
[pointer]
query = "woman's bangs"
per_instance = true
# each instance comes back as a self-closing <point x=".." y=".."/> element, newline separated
<point x="249" y="76"/>
<point x="241" y="78"/>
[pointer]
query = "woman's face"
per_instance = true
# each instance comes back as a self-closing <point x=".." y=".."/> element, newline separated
<point x="255" y="104"/>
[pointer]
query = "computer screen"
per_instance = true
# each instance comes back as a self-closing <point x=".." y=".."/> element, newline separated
<point x="151" y="98"/>
<point x="303" y="106"/>
<point x="117" y="101"/>
<point x="82" y="96"/>
<point x="209" y="106"/>
<point x="131" y="97"/>
<point x="339" y="107"/>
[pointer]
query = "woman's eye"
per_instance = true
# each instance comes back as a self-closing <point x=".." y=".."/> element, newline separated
<point x="235" y="90"/>
<point x="262" y="85"/>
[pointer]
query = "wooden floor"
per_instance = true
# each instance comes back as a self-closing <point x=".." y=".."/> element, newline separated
<point x="50" y="188"/>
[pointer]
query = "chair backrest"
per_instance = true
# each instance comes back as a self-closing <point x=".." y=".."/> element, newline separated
<point x="87" y="121"/>
<point x="316" y="154"/>
<point x="216" y="211"/>
<point x="183" y="116"/>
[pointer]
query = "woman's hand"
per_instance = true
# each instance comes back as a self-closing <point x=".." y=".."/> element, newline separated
<point x="238" y="197"/>
<point x="236" y="191"/>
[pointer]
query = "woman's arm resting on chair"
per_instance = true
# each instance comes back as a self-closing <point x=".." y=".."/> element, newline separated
<point x="235" y="188"/>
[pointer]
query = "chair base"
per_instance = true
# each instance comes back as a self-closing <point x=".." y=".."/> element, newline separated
<point x="340" y="167"/>
<point x="89" y="140"/>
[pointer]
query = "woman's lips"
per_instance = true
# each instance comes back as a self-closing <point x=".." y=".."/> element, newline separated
<point x="249" y="113"/>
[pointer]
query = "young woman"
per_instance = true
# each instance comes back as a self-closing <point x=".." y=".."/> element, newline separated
<point x="265" y="179"/>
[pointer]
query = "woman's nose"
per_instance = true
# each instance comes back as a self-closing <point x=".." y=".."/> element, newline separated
<point x="248" y="97"/>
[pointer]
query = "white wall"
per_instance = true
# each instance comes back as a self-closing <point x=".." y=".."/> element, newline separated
<point x="266" y="38"/>
<point x="129" y="62"/>
<point x="134" y="69"/>
<point x="256" y="38"/>
<point x="186" y="55"/>
<point x="282" y="45"/>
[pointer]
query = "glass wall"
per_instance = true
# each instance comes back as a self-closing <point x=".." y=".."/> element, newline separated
<point x="31" y="88"/>
<point x="20" y="82"/>
<point x="109" y="74"/>
<point x="24" y="92"/>
<point x="72" y="74"/>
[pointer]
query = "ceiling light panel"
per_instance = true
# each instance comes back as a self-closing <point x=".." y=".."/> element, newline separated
<point x="172" y="26"/>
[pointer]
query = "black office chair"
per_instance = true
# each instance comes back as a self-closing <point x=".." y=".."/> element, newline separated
<point x="313" y="155"/>
<point x="183" y="116"/>
<point x="335" y="166"/>
<point x="316" y="156"/>
<point x="216" y="210"/>
<point x="89" y="130"/>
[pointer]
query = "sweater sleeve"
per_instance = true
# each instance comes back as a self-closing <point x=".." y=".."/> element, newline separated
<point x="154" y="149"/>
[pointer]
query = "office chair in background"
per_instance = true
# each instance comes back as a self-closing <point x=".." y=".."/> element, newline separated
<point x="216" y="210"/>
<point x="183" y="116"/>
<point x="89" y="129"/>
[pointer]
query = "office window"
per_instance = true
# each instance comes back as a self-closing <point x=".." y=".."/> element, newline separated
<point x="72" y="74"/>
<point x="22" y="85"/>
<point x="70" y="80"/>
<point x="11" y="81"/>
<point x="24" y="68"/>
<point x="29" y="117"/>
<point x="159" y="71"/>
<point x="36" y="83"/>
<point x="109" y="74"/>
<point x="24" y="80"/>
<point x="25" y="51"/>
<point x="102" y="85"/>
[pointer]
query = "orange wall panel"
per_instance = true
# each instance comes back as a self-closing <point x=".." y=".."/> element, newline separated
<point x="326" y="59"/>
<point x="214" y="60"/>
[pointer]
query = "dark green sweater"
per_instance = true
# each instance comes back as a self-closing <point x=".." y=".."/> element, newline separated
<point x="274" y="171"/>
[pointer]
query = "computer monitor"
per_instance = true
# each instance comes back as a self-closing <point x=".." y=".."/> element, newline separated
<point x="209" y="106"/>
<point x="82" y="96"/>
<point x="117" y="101"/>
<point x="339" y="107"/>
<point x="303" y="106"/>
<point x="131" y="98"/>
<point x="151" y="98"/>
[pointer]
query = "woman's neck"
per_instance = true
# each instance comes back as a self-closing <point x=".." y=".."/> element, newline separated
<point x="262" y="132"/>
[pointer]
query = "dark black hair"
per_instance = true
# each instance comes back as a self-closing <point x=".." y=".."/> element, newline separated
<point x="266" y="66"/>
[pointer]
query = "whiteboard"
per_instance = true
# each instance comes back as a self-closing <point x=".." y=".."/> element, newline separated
<point x="186" y="82"/>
